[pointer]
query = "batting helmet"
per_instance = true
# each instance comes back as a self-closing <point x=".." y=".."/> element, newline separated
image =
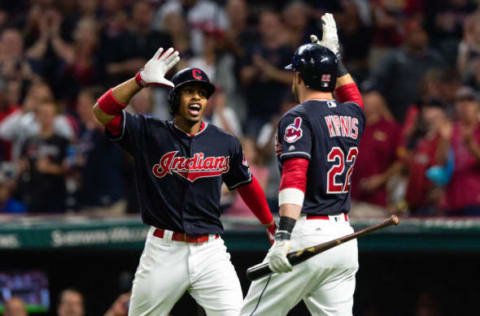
<point x="317" y="66"/>
<point x="184" y="77"/>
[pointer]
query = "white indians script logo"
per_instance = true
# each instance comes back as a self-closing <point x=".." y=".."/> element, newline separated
<point x="191" y="168"/>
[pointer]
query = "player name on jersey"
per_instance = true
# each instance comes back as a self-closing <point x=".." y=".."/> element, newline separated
<point x="342" y="125"/>
<point x="191" y="168"/>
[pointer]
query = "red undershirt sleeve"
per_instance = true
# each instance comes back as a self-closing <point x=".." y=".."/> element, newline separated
<point x="108" y="104"/>
<point x="349" y="93"/>
<point x="114" y="126"/>
<point x="294" y="181"/>
<point x="255" y="199"/>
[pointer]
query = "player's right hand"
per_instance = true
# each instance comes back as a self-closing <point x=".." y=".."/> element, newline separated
<point x="153" y="73"/>
<point x="330" y="36"/>
<point x="277" y="257"/>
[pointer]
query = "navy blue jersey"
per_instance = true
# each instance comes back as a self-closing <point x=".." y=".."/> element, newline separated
<point x="178" y="177"/>
<point x="328" y="134"/>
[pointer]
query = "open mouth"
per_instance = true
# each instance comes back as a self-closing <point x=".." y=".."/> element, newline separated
<point x="194" y="109"/>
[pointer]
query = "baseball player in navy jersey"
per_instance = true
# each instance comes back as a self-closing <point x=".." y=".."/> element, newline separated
<point x="180" y="166"/>
<point x="317" y="144"/>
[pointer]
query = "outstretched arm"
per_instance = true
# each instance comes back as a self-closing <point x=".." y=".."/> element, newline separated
<point x="110" y="105"/>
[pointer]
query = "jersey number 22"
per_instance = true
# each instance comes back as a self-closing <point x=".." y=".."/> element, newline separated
<point x="337" y="181"/>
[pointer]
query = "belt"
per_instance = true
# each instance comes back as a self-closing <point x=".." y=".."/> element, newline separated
<point x="160" y="233"/>
<point x="327" y="217"/>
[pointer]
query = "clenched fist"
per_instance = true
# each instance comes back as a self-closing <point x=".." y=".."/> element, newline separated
<point x="277" y="257"/>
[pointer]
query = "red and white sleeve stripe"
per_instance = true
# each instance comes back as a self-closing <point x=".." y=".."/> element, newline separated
<point x="294" y="181"/>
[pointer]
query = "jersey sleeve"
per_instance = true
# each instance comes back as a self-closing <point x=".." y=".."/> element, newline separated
<point x="132" y="128"/>
<point x="239" y="171"/>
<point x="294" y="137"/>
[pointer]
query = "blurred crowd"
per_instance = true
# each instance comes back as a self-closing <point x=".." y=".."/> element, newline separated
<point x="417" y="63"/>
<point x="71" y="302"/>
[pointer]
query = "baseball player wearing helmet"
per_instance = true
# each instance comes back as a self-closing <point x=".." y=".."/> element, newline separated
<point x="317" y="144"/>
<point x="180" y="166"/>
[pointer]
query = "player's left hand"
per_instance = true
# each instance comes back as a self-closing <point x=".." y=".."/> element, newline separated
<point x="271" y="230"/>
<point x="277" y="257"/>
<point x="330" y="36"/>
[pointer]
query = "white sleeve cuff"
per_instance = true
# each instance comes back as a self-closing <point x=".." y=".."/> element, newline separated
<point x="291" y="196"/>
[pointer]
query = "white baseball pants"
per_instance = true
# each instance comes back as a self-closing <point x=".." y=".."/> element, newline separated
<point x="168" y="269"/>
<point x="325" y="282"/>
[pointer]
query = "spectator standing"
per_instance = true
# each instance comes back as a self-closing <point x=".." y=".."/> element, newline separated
<point x="176" y="26"/>
<point x="237" y="39"/>
<point x="468" y="60"/>
<point x="133" y="47"/>
<point x="355" y="33"/>
<point x="262" y="76"/>
<point x="43" y="165"/>
<point x="469" y="47"/>
<point x="201" y="15"/>
<point x="447" y="20"/>
<point x="23" y="123"/>
<point x="239" y="35"/>
<point x="14" y="63"/>
<point x="208" y="59"/>
<point x="297" y="23"/>
<point x="376" y="162"/>
<point x="423" y="196"/>
<point x="438" y="85"/>
<point x="98" y="161"/>
<point x="78" y="60"/>
<point x="463" y="191"/>
<point x="7" y="107"/>
<point x="398" y="75"/>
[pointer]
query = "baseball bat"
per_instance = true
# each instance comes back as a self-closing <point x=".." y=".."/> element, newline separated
<point x="260" y="270"/>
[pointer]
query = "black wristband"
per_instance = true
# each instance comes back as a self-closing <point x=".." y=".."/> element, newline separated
<point x="285" y="228"/>
<point x="341" y="70"/>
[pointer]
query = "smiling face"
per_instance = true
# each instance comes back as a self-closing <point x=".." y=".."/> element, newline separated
<point x="193" y="101"/>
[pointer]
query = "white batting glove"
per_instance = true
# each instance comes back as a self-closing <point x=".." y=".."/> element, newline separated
<point x="330" y="36"/>
<point x="277" y="257"/>
<point x="153" y="73"/>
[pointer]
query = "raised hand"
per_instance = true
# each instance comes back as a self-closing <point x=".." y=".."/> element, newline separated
<point x="330" y="36"/>
<point x="153" y="73"/>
